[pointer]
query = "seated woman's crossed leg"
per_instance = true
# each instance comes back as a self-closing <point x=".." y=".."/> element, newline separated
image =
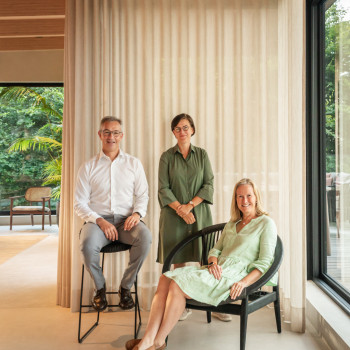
<point x="167" y="306"/>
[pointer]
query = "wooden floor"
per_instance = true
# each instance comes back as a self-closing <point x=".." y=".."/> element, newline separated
<point x="12" y="245"/>
<point x="338" y="263"/>
<point x="31" y="320"/>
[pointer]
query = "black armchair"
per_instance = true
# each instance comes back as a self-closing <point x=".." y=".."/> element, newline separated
<point x="252" y="298"/>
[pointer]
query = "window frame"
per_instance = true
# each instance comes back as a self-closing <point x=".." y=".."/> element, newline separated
<point x="315" y="155"/>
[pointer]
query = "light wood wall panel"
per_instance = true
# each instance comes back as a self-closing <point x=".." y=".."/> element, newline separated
<point x="18" y="8"/>
<point x="47" y="43"/>
<point x="32" y="27"/>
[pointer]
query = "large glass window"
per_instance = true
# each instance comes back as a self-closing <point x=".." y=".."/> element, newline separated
<point x="328" y="146"/>
<point x="30" y="141"/>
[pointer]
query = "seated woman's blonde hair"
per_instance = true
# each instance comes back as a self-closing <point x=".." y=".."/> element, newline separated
<point x="236" y="214"/>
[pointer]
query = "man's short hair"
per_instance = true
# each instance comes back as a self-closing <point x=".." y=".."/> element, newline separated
<point x="110" y="119"/>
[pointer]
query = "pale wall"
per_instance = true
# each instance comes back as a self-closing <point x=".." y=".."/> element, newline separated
<point x="31" y="66"/>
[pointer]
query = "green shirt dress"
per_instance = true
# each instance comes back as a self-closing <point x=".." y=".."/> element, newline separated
<point x="182" y="179"/>
<point x="238" y="254"/>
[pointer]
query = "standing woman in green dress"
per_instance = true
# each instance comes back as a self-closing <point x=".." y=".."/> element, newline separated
<point x="185" y="190"/>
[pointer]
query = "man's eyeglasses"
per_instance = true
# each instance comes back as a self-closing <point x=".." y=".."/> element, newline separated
<point x="184" y="128"/>
<point x="114" y="133"/>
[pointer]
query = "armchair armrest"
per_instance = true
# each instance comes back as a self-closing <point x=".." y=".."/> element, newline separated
<point x="12" y="199"/>
<point x="263" y="279"/>
<point x="271" y="271"/>
<point x="46" y="199"/>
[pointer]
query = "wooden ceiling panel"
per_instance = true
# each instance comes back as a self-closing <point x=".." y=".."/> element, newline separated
<point x="48" y="43"/>
<point x="31" y="27"/>
<point x="42" y="8"/>
<point x="32" y="24"/>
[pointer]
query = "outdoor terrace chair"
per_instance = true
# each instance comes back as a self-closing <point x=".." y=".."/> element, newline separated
<point x="33" y="194"/>
<point x="252" y="297"/>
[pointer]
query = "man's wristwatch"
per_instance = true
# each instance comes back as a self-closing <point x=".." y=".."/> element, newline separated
<point x="212" y="263"/>
<point x="136" y="212"/>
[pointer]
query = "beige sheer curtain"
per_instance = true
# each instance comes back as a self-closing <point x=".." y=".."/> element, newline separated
<point x="236" y="66"/>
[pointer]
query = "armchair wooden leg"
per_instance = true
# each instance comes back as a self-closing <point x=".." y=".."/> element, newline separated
<point x="244" y="321"/>
<point x="50" y="218"/>
<point x="277" y="309"/>
<point x="10" y="221"/>
<point x="32" y="218"/>
<point x="43" y="221"/>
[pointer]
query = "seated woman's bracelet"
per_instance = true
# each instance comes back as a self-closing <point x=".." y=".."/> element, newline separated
<point x="212" y="263"/>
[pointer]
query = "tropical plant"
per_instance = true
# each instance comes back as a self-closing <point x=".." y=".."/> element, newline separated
<point x="48" y="138"/>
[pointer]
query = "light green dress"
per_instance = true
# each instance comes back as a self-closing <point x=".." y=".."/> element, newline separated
<point x="238" y="254"/>
<point x="182" y="179"/>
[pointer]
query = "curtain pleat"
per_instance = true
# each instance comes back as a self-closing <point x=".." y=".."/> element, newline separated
<point x="236" y="66"/>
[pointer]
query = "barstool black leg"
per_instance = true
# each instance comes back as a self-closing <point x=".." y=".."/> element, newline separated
<point x="81" y="339"/>
<point x="137" y="312"/>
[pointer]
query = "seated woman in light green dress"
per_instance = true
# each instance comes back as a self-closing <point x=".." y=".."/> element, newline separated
<point x="241" y="256"/>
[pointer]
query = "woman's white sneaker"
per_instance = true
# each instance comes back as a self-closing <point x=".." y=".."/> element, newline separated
<point x="185" y="314"/>
<point x="222" y="317"/>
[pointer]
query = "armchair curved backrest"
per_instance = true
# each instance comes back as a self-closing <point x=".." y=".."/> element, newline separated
<point x="208" y="235"/>
<point x="36" y="194"/>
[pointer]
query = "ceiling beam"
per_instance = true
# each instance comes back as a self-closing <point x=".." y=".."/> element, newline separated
<point x="46" y="43"/>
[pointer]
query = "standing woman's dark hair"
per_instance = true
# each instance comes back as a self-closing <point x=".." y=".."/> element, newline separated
<point x="181" y="116"/>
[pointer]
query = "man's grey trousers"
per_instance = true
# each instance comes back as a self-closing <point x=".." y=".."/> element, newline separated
<point x="92" y="240"/>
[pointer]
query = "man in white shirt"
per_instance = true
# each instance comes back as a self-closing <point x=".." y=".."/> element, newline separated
<point x="111" y="196"/>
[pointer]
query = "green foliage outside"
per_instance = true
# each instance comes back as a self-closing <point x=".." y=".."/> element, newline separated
<point x="337" y="51"/>
<point x="30" y="140"/>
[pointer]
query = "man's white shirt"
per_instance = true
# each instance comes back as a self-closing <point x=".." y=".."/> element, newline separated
<point x="106" y="187"/>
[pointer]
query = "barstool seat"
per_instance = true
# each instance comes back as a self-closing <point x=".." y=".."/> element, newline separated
<point x="113" y="247"/>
